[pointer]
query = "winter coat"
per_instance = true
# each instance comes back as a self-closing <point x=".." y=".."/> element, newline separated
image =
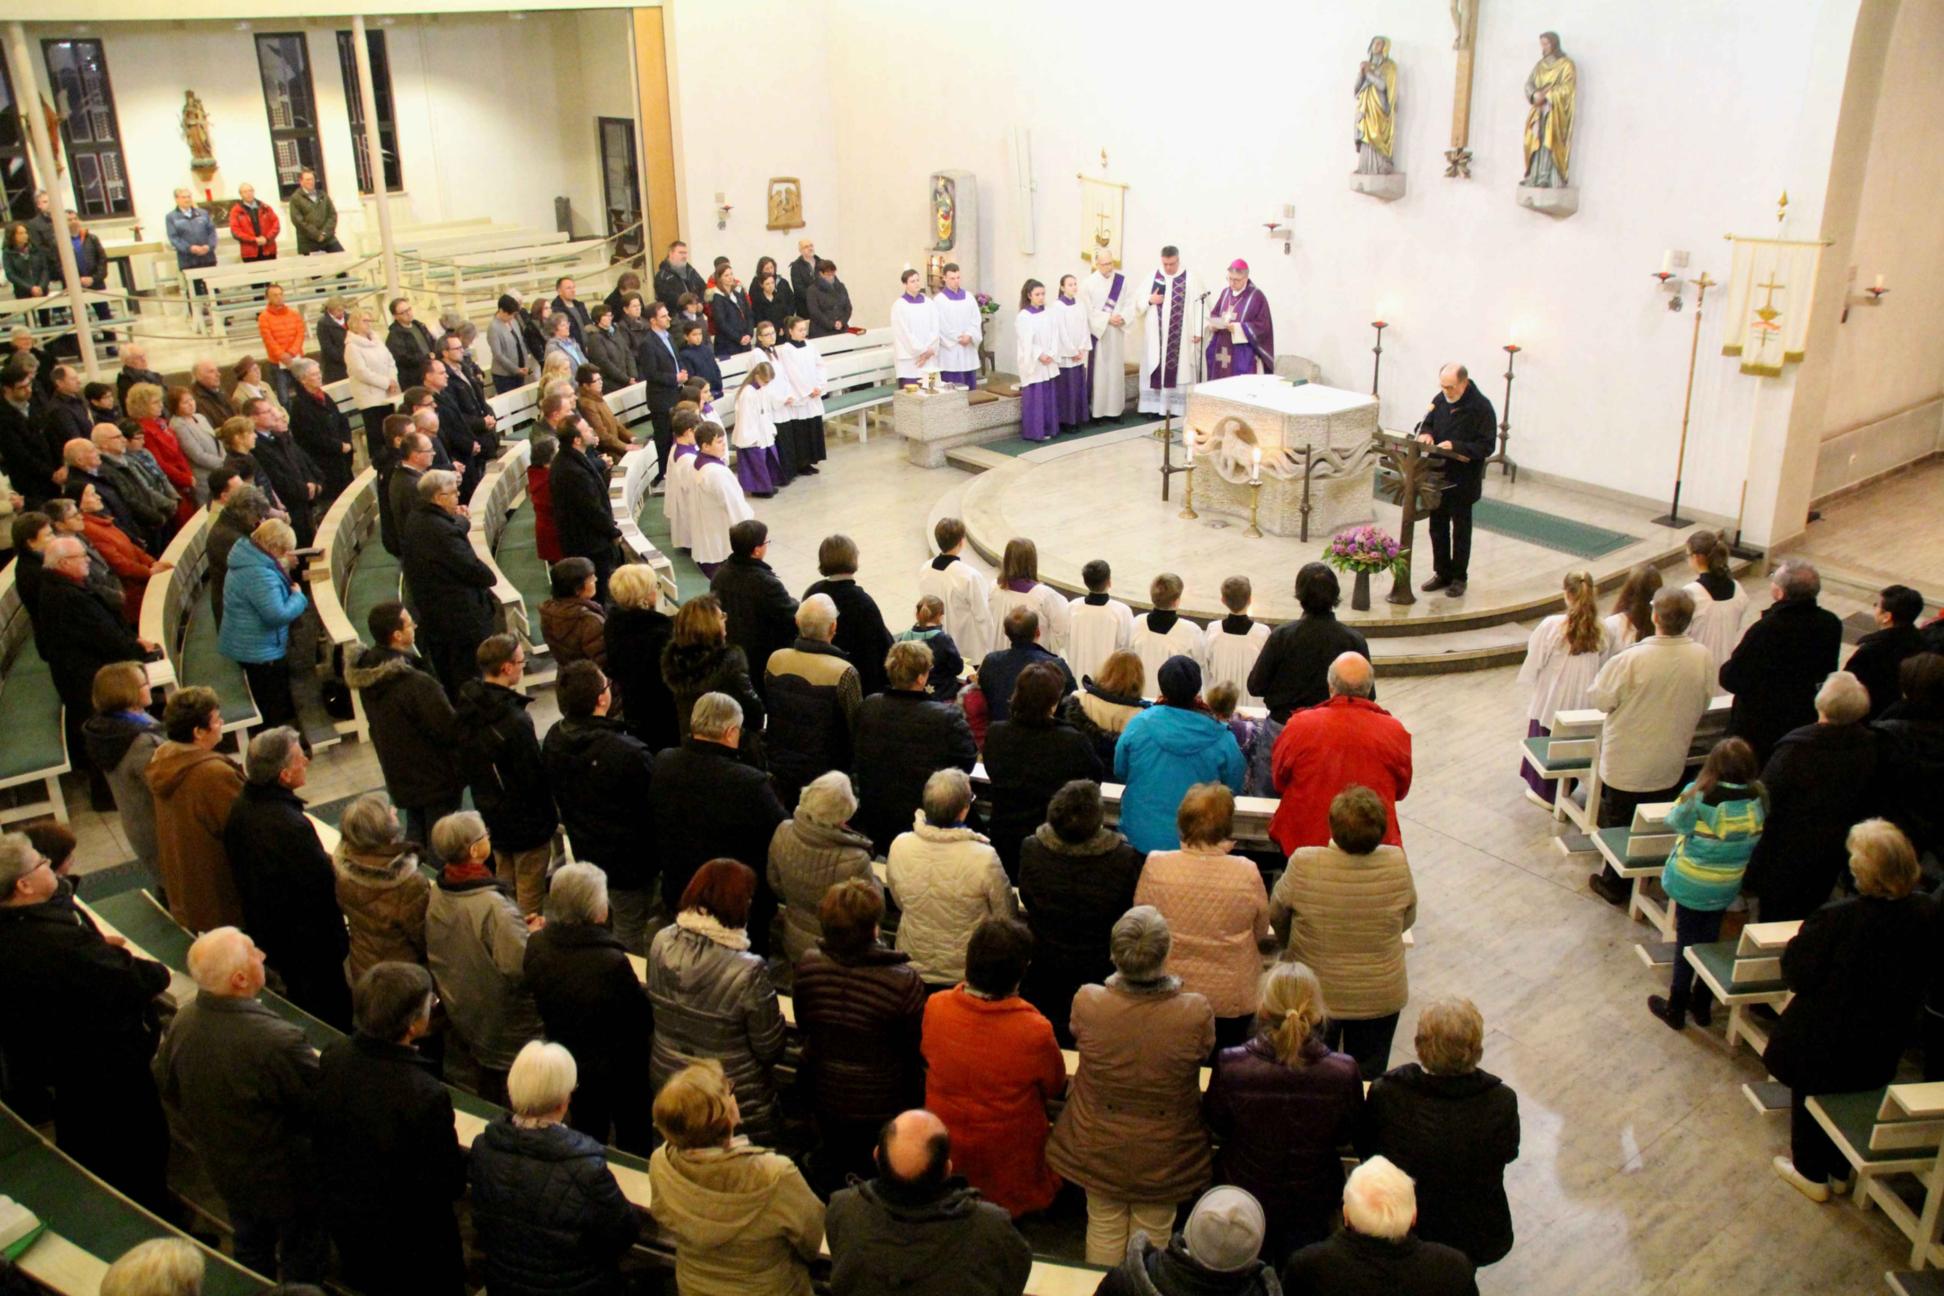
<point x="315" y="216"/>
<point x="1878" y="658"/>
<point x="289" y="471"/>
<point x="945" y="881"/>
<point x="583" y="515"/>
<point x="1454" y="1134"/>
<point x="1074" y="893"/>
<point x="77" y="636"/>
<point x="575" y="630"/>
<point x="1100" y="717"/>
<point x="591" y="1001"/>
<point x="1326" y="748"/>
<point x="260" y="602"/>
<point x="1350" y="1264"/>
<point x="1162" y="753"/>
<point x="383" y="897"/>
<point x="501" y="760"/>
<point x="1783" y="658"/>
<point x="713" y="1001"/>
<point x="193" y="790"/>
<point x="1280" y="1126"/>
<point x="1218" y="913"/>
<point x="323" y="431"/>
<point x="413" y="728"/>
<point x="991" y="1067"/>
<point x="548" y="1213"/>
<point x="599" y="774"/>
<point x="902" y="737"/>
<point x="1131" y="1128"/>
<point x="372" y="368"/>
<point x="690" y="670"/>
<point x="806" y="859"/>
<point x="762" y="615"/>
<point x="860" y="1017"/>
<point x="634" y="639"/>
<point x="861" y="633"/>
<point x="188" y="229"/>
<point x="827" y="304"/>
<point x="331" y="335"/>
<point x="1345" y="916"/>
<point x="1913" y="770"/>
<point x="127" y="560"/>
<point x="1149" y="1270"/>
<point x="706" y="804"/>
<point x="812" y="693"/>
<point x="1026" y="765"/>
<point x="744" y="1221"/>
<point x="609" y="351"/>
<point x="1821" y="779"/>
<point x="475" y="947"/>
<point x="887" y="1236"/>
<point x="1001" y="670"/>
<point x="121" y="745"/>
<point x="1711" y="847"/>
<point x="261" y="224"/>
<point x="609" y="433"/>
<point x="411" y="348"/>
<point x="289" y="894"/>
<point x="452" y="587"/>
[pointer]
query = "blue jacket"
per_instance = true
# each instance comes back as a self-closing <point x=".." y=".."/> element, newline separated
<point x="187" y="231"/>
<point x="700" y="362"/>
<point x="1704" y="870"/>
<point x="259" y="603"/>
<point x="1162" y="753"/>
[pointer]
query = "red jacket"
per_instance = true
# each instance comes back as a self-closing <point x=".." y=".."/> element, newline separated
<point x="1324" y="749"/>
<point x="992" y="1064"/>
<point x="124" y="557"/>
<point x="546" y="539"/>
<point x="265" y="227"/>
<point x="160" y="440"/>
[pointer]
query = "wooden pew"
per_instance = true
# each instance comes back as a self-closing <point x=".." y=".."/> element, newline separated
<point x="341" y="539"/>
<point x="33" y="741"/>
<point x="1884" y="1134"/>
<point x="176" y="614"/>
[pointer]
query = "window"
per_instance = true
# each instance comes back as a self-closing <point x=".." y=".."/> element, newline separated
<point x="620" y="185"/>
<point x="381" y="90"/>
<point x="16" y="173"/>
<point x="284" y="60"/>
<point x="86" y="103"/>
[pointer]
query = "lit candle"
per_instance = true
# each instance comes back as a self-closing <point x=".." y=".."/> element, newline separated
<point x="1188" y="441"/>
<point x="1879" y="283"/>
<point x="1667" y="261"/>
<point x="1255" y="464"/>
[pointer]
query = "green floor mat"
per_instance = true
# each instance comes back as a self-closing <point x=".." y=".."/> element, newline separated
<point x="1547" y="530"/>
<point x="653" y="521"/>
<point x="202" y="663"/>
<point x="1016" y="446"/>
<point x="521" y="563"/>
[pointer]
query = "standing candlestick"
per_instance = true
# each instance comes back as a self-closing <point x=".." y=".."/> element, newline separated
<point x="1377" y="353"/>
<point x="1255" y="492"/>
<point x="1673" y="517"/>
<point x="1507" y="467"/>
<point x="1188" y="496"/>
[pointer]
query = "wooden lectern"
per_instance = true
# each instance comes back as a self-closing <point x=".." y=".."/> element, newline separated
<point x="1410" y="479"/>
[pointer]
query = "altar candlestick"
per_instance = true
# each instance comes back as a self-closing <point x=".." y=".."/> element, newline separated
<point x="1879" y="283"/>
<point x="1377" y="352"/>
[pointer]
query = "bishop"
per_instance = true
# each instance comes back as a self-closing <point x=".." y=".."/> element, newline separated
<point x="1242" y="338"/>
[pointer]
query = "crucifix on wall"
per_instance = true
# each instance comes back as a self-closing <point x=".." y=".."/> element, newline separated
<point x="1464" y="17"/>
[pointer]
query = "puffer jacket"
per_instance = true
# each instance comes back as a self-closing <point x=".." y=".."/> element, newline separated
<point x="600" y="775"/>
<point x="806" y="859"/>
<point x="1218" y="913"/>
<point x="412" y="726"/>
<point x="713" y="1000"/>
<point x="1074" y="893"/>
<point x="745" y="1222"/>
<point x="1150" y="1270"/>
<point x="260" y="602"/>
<point x="384" y="897"/>
<point x="1346" y="916"/>
<point x="692" y="670"/>
<point x="371" y="369"/>
<point x="887" y="1236"/>
<point x="608" y="350"/>
<point x="475" y="945"/>
<point x="945" y="881"/>
<point x="861" y="1017"/>
<point x="902" y="737"/>
<point x="120" y="745"/>
<point x="1711" y="849"/>
<point x="549" y="1214"/>
<point x="1162" y="753"/>
<point x="575" y="630"/>
<point x="813" y="694"/>
<point x="1454" y="1134"/>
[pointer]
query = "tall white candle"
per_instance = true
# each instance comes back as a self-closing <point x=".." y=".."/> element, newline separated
<point x="1188" y="441"/>
<point x="1667" y="261"/>
<point x="1255" y="464"/>
<point x="1879" y="281"/>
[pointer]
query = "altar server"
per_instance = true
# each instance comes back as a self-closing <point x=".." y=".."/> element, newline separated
<point x="1019" y="585"/>
<point x="678" y="504"/>
<point x="801" y="424"/>
<point x="1036" y="337"/>
<point x="914" y="333"/>
<point x="718" y="503"/>
<point x="963" y="589"/>
<point x="1100" y="625"/>
<point x="1230" y="646"/>
<point x="1162" y="633"/>
<point x="1242" y="339"/>
<point x="1075" y="340"/>
<point x="755" y="435"/>
<point x="1109" y="313"/>
<point x="1171" y="328"/>
<point x="959" y="328"/>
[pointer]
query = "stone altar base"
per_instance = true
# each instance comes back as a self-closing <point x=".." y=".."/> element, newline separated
<point x="935" y="423"/>
<point x="1335" y="503"/>
<point x="1231" y="417"/>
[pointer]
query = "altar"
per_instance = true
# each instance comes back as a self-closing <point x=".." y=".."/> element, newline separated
<point x="1312" y="447"/>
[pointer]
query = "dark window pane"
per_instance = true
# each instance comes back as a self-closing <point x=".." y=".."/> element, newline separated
<point x="381" y="92"/>
<point x="77" y="72"/>
<point x="283" y="61"/>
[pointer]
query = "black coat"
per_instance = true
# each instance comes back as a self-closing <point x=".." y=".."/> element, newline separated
<point x="389" y="1169"/>
<point x="672" y="281"/>
<point x="706" y="805"/>
<point x="413" y="729"/>
<point x="886" y="1236"/>
<point x="1073" y="894"/>
<point x="583" y="515"/>
<point x="324" y="434"/>
<point x="810" y="714"/>
<point x="1350" y="1264"/>
<point x="330" y="348"/>
<point x="1859" y="970"/>
<point x="78" y="636"/>
<point x="861" y="1018"/>
<point x="1454" y="1134"/>
<point x="861" y="632"/>
<point x="459" y="433"/>
<point x="802" y="274"/>
<point x="578" y="322"/>
<point x="825" y="304"/>
<point x="1471" y="426"/>
<point x="1150" y="1270"/>
<point x="902" y="738"/>
<point x="290" y="470"/>
<point x="1000" y="671"/>
<point x="1820" y="780"/>
<point x="397" y="498"/>
<point x="772" y="310"/>
<point x="289" y="894"/>
<point x="411" y="346"/>
<point x="762" y="615"/>
<point x="635" y="638"/>
<point x="657" y="366"/>
<point x="452" y="590"/>
<point x="729" y="312"/>
<point x="501" y="759"/>
<point x="548" y="1212"/>
<point x="1293" y="668"/>
<point x="1913" y="766"/>
<point x="79" y="1010"/>
<point x="1026" y="767"/>
<point x="599" y="774"/>
<point x="25" y="457"/>
<point x="1877" y="659"/>
<point x="692" y="670"/>
<point x="1774" y="672"/>
<point x="592" y="1002"/>
<point x="114" y="501"/>
<point x="67" y="418"/>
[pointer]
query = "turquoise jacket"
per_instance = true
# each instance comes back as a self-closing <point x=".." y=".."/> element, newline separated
<point x="259" y="603"/>
<point x="1163" y="752"/>
<point x="1704" y="870"/>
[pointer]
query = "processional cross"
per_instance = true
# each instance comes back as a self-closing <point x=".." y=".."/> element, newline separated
<point x="1411" y="480"/>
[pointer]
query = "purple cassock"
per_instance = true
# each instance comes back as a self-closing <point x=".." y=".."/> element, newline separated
<point x="759" y="471"/>
<point x="1256" y="352"/>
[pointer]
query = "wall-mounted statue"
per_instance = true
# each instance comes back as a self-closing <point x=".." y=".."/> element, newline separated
<point x="785" y="203"/>
<point x="1376" y="109"/>
<point x="195" y="130"/>
<point x="1552" y="90"/>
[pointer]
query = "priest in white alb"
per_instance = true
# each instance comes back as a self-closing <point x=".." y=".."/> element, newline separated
<point x="1110" y="310"/>
<point x="960" y="327"/>
<point x="1170" y="305"/>
<point x="914" y="333"/>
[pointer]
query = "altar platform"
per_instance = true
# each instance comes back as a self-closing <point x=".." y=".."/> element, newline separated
<point x="1538" y="530"/>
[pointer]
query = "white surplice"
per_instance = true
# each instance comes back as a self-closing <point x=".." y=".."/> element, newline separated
<point x="803" y="367"/>
<point x="1095" y="632"/>
<point x="1716" y="624"/>
<point x="717" y="505"/>
<point x="955" y="318"/>
<point x="1075" y="338"/>
<point x="1036" y="334"/>
<point x="1043" y="599"/>
<point x="755" y="416"/>
<point x="914" y="333"/>
<point x="1154" y="336"/>
<point x="1228" y="658"/>
<point x="679" y="503"/>
<point x="1558" y="677"/>
<point x="962" y="588"/>
<point x="1108" y="398"/>
<point x="1154" y="647"/>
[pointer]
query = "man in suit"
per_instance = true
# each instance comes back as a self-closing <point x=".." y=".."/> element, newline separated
<point x="465" y="424"/>
<point x="661" y="368"/>
<point x="401" y="485"/>
<point x="583" y="514"/>
<point x="1461" y="420"/>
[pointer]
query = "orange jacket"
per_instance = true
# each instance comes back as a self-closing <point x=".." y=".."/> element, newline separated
<point x="124" y="557"/>
<point x="282" y="330"/>
<point x="265" y="227"/>
<point x="991" y="1066"/>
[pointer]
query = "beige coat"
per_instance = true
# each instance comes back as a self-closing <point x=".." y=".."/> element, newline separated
<point x="1218" y="914"/>
<point x="1346" y="916"/>
<point x="945" y="881"/>
<point x="744" y="1221"/>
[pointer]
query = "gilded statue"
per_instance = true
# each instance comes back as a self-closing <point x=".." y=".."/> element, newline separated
<point x="1376" y="109"/>
<point x="1551" y="89"/>
<point x="195" y="129"/>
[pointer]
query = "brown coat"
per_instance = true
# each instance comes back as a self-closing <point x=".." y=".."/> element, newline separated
<point x="613" y="437"/>
<point x="383" y="897"/>
<point x="575" y="630"/>
<point x="193" y="790"/>
<point x="1132" y="1128"/>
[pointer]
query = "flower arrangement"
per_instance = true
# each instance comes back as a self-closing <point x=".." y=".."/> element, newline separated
<point x="987" y="306"/>
<point x="1365" y="550"/>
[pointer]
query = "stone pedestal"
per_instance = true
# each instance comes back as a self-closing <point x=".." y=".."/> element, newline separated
<point x="1388" y="188"/>
<point x="1233" y="417"/>
<point x="1556" y="203"/>
<point x="935" y="423"/>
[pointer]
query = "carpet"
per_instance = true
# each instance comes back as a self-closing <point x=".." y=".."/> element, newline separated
<point x="653" y="521"/>
<point x="1547" y="530"/>
<point x="1016" y="446"/>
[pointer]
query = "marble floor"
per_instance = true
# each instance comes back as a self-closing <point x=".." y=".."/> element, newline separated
<point x="1642" y="1169"/>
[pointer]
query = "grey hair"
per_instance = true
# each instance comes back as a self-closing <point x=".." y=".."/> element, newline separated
<point x="302" y="368"/>
<point x="1140" y="943"/>
<point x="816" y="617"/>
<point x="1797" y="578"/>
<point x="216" y="956"/>
<point x="270" y="754"/>
<point x="1673" y="610"/>
<point x="1842" y="699"/>
<point x="437" y="481"/>
<point x="454" y="835"/>
<point x="948" y="795"/>
<point x="541" y="1080"/>
<point x="828" y="799"/>
<point x="18" y="858"/>
<point x="1379" y="1200"/>
<point x="274" y="536"/>
<point x="1340" y="686"/>
<point x="368" y="823"/>
<point x="715" y="714"/>
<point x="578" y="893"/>
<point x="67" y="545"/>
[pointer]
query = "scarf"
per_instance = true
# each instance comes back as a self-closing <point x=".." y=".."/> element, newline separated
<point x="460" y="872"/>
<point x="705" y="925"/>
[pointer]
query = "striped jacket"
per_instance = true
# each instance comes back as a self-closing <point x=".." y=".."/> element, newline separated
<point x="1704" y="870"/>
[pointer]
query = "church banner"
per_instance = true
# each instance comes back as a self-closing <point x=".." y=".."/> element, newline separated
<point x="1770" y="289"/>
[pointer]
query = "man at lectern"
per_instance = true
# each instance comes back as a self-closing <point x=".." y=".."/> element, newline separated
<point x="1461" y="420"/>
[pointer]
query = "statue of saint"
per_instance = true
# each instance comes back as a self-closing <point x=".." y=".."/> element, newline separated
<point x="1551" y="90"/>
<point x="1376" y="109"/>
<point x="195" y="129"/>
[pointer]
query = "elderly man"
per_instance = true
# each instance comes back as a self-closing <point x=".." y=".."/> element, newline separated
<point x="80" y="1018"/>
<point x="918" y="1229"/>
<point x="594" y="765"/>
<point x="812" y="693"/>
<point x="1460" y="420"/>
<point x="321" y="430"/>
<point x="206" y="384"/>
<point x="1377" y="1249"/>
<point x="500" y="754"/>
<point x="1782" y="659"/>
<point x="194" y="787"/>
<point x="134" y="369"/>
<point x="191" y="233"/>
<point x="77" y="633"/>
<point x="450" y="586"/>
<point x="400" y="481"/>
<point x="1654" y="695"/>
<point x="314" y="215"/>
<point x="153" y="507"/>
<point x="285" y="878"/>
<point x="297" y="481"/>
<point x="254" y="226"/>
<point x="240" y="1078"/>
<point x="1324" y="749"/>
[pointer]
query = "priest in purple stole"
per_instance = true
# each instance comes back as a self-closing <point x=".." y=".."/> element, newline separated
<point x="1241" y="337"/>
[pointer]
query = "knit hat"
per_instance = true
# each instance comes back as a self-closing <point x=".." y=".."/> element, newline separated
<point x="1224" y="1230"/>
<point x="1180" y="680"/>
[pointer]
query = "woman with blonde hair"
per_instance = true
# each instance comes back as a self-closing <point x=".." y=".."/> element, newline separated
<point x="163" y="1266"/>
<point x="1719" y="603"/>
<point x="373" y="372"/>
<point x="1564" y="654"/>
<point x="1106" y="700"/>
<point x="121" y="737"/>
<point x="1280" y="1106"/>
<point x="1019" y="585"/>
<point x="144" y="405"/>
<point x="261" y="600"/>
<point x="556" y="368"/>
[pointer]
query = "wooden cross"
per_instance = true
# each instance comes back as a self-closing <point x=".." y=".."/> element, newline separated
<point x="1458" y="158"/>
<point x="1767" y="313"/>
<point x="1415" y="485"/>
